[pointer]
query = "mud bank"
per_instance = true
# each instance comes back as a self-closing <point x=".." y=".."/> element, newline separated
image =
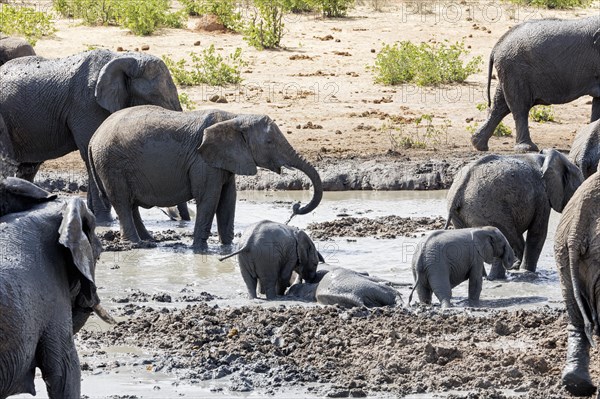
<point x="338" y="352"/>
<point x="383" y="173"/>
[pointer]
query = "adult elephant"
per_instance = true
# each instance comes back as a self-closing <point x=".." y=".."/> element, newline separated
<point x="14" y="47"/>
<point x="51" y="107"/>
<point x="47" y="292"/>
<point x="514" y="193"/>
<point x="149" y="156"/>
<point x="585" y="150"/>
<point x="577" y="253"/>
<point x="547" y="61"/>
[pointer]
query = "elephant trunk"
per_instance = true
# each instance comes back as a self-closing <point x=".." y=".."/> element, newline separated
<point x="296" y="161"/>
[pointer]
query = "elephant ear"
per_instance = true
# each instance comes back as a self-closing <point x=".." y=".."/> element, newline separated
<point x="18" y="195"/>
<point x="561" y="178"/>
<point x="112" y="87"/>
<point x="484" y="245"/>
<point x="308" y="256"/>
<point x="225" y="146"/>
<point x="76" y="233"/>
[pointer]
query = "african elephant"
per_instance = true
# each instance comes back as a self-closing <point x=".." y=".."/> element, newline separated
<point x="446" y="258"/>
<point x="14" y="47"/>
<point x="515" y="194"/>
<point x="269" y="252"/>
<point x="547" y="61"/>
<point x="577" y="254"/>
<point x="148" y="156"/>
<point x="585" y="150"/>
<point x="345" y="287"/>
<point x="51" y="107"/>
<point x="47" y="292"/>
<point x="17" y="195"/>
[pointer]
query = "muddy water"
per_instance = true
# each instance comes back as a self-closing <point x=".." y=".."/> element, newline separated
<point x="141" y="276"/>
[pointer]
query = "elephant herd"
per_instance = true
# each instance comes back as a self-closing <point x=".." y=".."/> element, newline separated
<point x="122" y="113"/>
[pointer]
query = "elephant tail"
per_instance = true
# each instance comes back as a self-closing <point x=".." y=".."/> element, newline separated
<point x="413" y="289"/>
<point x="232" y="254"/>
<point x="588" y="326"/>
<point x="489" y="83"/>
<point x="95" y="176"/>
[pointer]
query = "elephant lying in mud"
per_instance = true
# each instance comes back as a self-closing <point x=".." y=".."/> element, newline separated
<point x="514" y="193"/>
<point x="577" y="253"/>
<point x="546" y="61"/>
<point x="347" y="288"/>
<point x="585" y="150"/>
<point x="14" y="47"/>
<point x="270" y="252"/>
<point x="47" y="290"/>
<point x="446" y="258"/>
<point x="148" y="156"/>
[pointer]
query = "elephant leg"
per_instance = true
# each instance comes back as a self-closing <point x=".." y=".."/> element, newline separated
<point x="99" y="206"/>
<point x="497" y="113"/>
<point x="524" y="142"/>
<point x="250" y="280"/>
<point x="205" y="213"/>
<point x="28" y="170"/>
<point x="226" y="211"/>
<point x="270" y="285"/>
<point x="127" y="223"/>
<point x="139" y="225"/>
<point x="576" y="375"/>
<point x="536" y="237"/>
<point x="184" y="212"/>
<point x="497" y="271"/>
<point x="475" y="284"/>
<point x="595" y="109"/>
<point x="57" y="359"/>
<point x="516" y="241"/>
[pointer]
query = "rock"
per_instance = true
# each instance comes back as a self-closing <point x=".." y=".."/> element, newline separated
<point x="145" y="47"/>
<point x="218" y="99"/>
<point x="197" y="43"/>
<point x="120" y="48"/>
<point x="206" y="23"/>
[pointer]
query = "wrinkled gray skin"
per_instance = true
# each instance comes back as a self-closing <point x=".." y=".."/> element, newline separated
<point x="446" y="258"/>
<point x="515" y="194"/>
<point x="548" y="61"/>
<point x="585" y="150"/>
<point x="345" y="287"/>
<point x="577" y="254"/>
<point x="14" y="47"/>
<point x="50" y="107"/>
<point x="270" y="252"/>
<point x="147" y="156"/>
<point x="47" y="293"/>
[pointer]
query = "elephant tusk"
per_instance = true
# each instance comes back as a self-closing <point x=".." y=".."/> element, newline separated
<point x="103" y="314"/>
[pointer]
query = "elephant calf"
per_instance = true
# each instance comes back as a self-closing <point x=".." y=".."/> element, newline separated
<point x="345" y="287"/>
<point x="269" y="252"/>
<point x="585" y="150"/>
<point x="446" y="258"/>
<point x="47" y="289"/>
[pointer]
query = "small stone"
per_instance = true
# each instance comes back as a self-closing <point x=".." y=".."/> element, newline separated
<point x="145" y="47"/>
<point x="197" y="43"/>
<point x="120" y="48"/>
<point x="136" y="49"/>
<point x="372" y="50"/>
<point x="218" y="99"/>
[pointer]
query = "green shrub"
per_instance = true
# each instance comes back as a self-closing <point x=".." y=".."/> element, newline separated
<point x="552" y="4"/>
<point x="26" y="22"/>
<point x="142" y="17"/>
<point x="265" y="28"/>
<point x="333" y="8"/>
<point x="423" y="64"/>
<point x="208" y="68"/>
<point x="186" y="102"/>
<point x="542" y="113"/>
<point x="299" y="6"/>
<point x="422" y="134"/>
<point x="225" y="10"/>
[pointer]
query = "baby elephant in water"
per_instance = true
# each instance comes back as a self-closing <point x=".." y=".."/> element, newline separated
<point x="446" y="258"/>
<point x="345" y="287"/>
<point x="270" y="252"/>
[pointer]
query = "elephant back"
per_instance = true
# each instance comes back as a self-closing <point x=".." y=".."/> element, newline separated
<point x="585" y="150"/>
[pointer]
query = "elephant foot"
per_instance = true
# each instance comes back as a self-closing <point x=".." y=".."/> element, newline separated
<point x="526" y="147"/>
<point x="104" y="219"/>
<point x="446" y="304"/>
<point x="479" y="144"/>
<point x="200" y="247"/>
<point x="577" y="382"/>
<point x="497" y="274"/>
<point x="144" y="244"/>
<point x="528" y="268"/>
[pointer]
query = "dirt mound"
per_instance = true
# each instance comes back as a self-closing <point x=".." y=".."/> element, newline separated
<point x="381" y="227"/>
<point x="352" y="353"/>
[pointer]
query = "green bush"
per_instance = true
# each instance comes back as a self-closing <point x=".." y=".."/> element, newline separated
<point x="333" y="8"/>
<point x="265" y="28"/>
<point x="423" y="134"/>
<point x="142" y="17"/>
<point x="25" y="21"/>
<point x="299" y="6"/>
<point x="423" y="64"/>
<point x="208" y="68"/>
<point x="552" y="4"/>
<point x="186" y="102"/>
<point x="225" y="10"/>
<point x="542" y="113"/>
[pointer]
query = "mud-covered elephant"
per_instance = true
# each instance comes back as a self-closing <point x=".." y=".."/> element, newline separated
<point x="514" y="193"/>
<point x="577" y="254"/>
<point x="585" y="150"/>
<point x="446" y="258"/>
<point x="148" y="156"/>
<point x="547" y="61"/>
<point x="47" y="292"/>
<point x="345" y="287"/>
<point x="269" y="252"/>
<point x="50" y="107"/>
<point x="14" y="47"/>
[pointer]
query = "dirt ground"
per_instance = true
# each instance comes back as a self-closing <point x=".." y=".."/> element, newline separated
<point x="318" y="89"/>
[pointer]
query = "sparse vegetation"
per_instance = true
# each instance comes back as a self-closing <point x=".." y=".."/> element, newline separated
<point x="265" y="27"/>
<point x="421" y="133"/>
<point x="186" y="102"/>
<point x="333" y="8"/>
<point x="26" y="22"/>
<point x="208" y="68"/>
<point x="225" y="10"/>
<point x="553" y="4"/>
<point x="423" y="64"/>
<point x="542" y="113"/>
